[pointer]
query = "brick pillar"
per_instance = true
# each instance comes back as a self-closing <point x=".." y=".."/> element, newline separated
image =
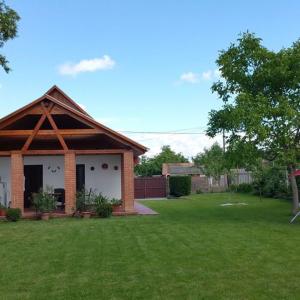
<point x="70" y="182"/>
<point x="128" y="182"/>
<point x="17" y="181"/>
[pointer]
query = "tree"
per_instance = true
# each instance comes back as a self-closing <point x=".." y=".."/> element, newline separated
<point x="260" y="90"/>
<point x="153" y="166"/>
<point x="211" y="161"/>
<point x="8" y="29"/>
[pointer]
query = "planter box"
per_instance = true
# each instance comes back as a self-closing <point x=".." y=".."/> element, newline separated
<point x="45" y="216"/>
<point x="86" y="214"/>
<point x="118" y="208"/>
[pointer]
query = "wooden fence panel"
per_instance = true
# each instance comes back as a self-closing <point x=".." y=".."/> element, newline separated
<point x="150" y="187"/>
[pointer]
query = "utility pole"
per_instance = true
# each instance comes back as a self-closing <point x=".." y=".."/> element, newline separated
<point x="224" y="140"/>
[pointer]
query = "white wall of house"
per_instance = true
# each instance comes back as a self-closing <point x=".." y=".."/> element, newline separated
<point x="105" y="181"/>
<point x="5" y="178"/>
<point x="53" y="169"/>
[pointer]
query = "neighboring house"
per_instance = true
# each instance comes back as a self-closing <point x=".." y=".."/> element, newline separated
<point x="54" y="142"/>
<point x="200" y="182"/>
<point x="173" y="169"/>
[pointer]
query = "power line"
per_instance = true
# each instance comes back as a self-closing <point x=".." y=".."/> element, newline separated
<point x="162" y="132"/>
<point x="177" y="131"/>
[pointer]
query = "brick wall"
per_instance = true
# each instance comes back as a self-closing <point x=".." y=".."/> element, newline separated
<point x="17" y="181"/>
<point x="70" y="182"/>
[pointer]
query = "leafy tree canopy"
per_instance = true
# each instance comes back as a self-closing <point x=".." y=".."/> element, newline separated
<point x="260" y="90"/>
<point x="8" y="29"/>
<point x="211" y="161"/>
<point x="153" y="166"/>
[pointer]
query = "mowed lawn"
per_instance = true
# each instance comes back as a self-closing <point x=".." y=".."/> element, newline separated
<point x="195" y="249"/>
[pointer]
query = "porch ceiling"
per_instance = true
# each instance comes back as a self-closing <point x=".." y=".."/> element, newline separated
<point x="50" y="142"/>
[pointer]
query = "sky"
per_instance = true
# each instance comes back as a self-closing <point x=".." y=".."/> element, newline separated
<point x="142" y="66"/>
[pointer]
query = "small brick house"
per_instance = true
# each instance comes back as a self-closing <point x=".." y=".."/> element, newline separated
<point x="54" y="142"/>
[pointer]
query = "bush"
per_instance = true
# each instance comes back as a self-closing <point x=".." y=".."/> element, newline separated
<point x="13" y="214"/>
<point x="84" y="200"/>
<point x="103" y="206"/>
<point x="44" y="201"/>
<point x="245" y="188"/>
<point x="272" y="182"/>
<point x="180" y="185"/>
<point x="116" y="202"/>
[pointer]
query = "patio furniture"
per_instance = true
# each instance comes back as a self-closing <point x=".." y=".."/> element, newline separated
<point x="59" y="194"/>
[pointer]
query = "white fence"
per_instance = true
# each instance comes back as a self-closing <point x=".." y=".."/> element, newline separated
<point x="239" y="176"/>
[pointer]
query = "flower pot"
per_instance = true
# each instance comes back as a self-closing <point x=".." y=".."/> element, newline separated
<point x="118" y="208"/>
<point x="45" y="216"/>
<point x="86" y="214"/>
<point x="2" y="212"/>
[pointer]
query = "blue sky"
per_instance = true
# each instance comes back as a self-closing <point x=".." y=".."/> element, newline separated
<point x="159" y="63"/>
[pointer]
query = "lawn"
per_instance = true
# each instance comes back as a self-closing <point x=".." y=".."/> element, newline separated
<point x="195" y="249"/>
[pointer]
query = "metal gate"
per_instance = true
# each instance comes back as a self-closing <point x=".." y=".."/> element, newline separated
<point x="150" y="187"/>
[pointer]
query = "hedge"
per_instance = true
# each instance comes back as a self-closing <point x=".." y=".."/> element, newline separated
<point x="180" y="185"/>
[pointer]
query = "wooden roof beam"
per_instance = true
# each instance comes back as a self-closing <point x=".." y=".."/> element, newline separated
<point x="53" y="124"/>
<point x="36" y="129"/>
<point x="70" y="132"/>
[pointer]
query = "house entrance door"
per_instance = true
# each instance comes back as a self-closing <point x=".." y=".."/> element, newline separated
<point x="33" y="182"/>
<point x="80" y="177"/>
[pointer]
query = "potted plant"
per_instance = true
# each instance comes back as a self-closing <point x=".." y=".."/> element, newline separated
<point x="2" y="210"/>
<point x="117" y="205"/>
<point x="44" y="203"/>
<point x="84" y="201"/>
<point x="103" y="206"/>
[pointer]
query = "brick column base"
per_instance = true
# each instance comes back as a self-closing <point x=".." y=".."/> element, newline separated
<point x="17" y="181"/>
<point x="128" y="182"/>
<point x="70" y="182"/>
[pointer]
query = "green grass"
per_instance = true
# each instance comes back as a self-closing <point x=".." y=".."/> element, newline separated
<point x="195" y="249"/>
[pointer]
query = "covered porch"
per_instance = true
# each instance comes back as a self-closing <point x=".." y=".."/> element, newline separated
<point x="53" y="142"/>
<point x="109" y="172"/>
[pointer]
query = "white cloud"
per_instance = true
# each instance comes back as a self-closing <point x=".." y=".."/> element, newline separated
<point x="207" y="75"/>
<point x="87" y="65"/>
<point x="192" y="77"/>
<point x="189" y="77"/>
<point x="189" y="144"/>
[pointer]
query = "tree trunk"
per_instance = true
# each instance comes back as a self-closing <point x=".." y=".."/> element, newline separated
<point x="295" y="191"/>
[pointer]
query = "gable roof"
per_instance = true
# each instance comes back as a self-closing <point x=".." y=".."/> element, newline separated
<point x="60" y="95"/>
<point x="57" y="96"/>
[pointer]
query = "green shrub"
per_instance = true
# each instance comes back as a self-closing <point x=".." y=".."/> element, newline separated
<point x="85" y="200"/>
<point x="180" y="185"/>
<point x="116" y="202"/>
<point x="245" y="188"/>
<point x="272" y="182"/>
<point x="103" y="206"/>
<point x="44" y="201"/>
<point x="13" y="214"/>
<point x="199" y="191"/>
